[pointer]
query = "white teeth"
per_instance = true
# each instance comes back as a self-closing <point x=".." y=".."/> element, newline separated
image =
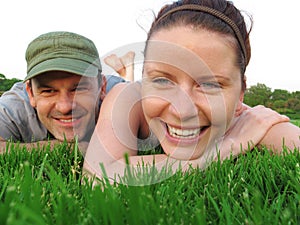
<point x="67" y="121"/>
<point x="179" y="133"/>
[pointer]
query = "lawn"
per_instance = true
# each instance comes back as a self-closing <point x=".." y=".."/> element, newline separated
<point x="44" y="187"/>
<point x="296" y="122"/>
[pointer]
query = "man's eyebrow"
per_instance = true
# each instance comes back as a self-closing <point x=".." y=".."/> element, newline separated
<point x="41" y="85"/>
<point x="82" y="83"/>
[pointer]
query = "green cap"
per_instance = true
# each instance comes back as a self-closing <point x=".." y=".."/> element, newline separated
<point x="62" y="51"/>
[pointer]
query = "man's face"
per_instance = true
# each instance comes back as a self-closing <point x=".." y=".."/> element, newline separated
<point x="65" y="103"/>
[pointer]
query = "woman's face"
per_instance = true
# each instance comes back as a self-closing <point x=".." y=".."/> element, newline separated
<point x="191" y="89"/>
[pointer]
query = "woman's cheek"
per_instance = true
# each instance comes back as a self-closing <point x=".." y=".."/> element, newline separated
<point x="153" y="107"/>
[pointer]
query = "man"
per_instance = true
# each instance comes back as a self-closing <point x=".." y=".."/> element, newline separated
<point x="61" y="94"/>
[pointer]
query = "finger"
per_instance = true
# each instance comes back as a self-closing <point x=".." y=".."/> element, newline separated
<point x="267" y="115"/>
<point x="245" y="106"/>
<point x="240" y="110"/>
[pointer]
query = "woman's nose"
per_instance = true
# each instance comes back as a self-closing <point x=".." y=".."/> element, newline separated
<point x="183" y="105"/>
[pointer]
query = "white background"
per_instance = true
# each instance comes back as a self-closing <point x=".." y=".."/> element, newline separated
<point x="113" y="24"/>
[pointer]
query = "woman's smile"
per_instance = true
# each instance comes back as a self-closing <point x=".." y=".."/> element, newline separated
<point x="184" y="135"/>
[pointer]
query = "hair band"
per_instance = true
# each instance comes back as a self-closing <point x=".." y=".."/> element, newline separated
<point x="215" y="13"/>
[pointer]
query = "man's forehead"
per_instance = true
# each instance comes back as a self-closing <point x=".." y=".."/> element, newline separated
<point x="58" y="76"/>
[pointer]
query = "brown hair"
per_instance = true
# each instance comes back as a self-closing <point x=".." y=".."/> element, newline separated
<point x="219" y="16"/>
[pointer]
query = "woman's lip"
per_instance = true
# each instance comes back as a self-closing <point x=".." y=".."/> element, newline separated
<point x="184" y="127"/>
<point x="186" y="136"/>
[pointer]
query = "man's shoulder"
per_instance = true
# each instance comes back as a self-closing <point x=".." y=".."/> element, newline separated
<point x="16" y="95"/>
<point x="19" y="117"/>
<point x="16" y="101"/>
<point x="18" y="89"/>
<point x="112" y="80"/>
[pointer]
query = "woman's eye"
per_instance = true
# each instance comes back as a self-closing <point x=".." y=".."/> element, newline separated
<point x="210" y="85"/>
<point x="162" y="81"/>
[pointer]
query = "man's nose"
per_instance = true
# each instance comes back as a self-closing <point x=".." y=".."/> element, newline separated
<point x="65" y="103"/>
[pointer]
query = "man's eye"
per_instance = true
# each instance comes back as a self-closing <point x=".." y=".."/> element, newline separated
<point x="48" y="91"/>
<point x="81" y="89"/>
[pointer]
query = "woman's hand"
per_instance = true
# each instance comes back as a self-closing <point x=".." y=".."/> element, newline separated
<point x="248" y="129"/>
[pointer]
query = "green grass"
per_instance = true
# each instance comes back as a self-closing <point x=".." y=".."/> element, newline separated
<point x="296" y="122"/>
<point x="44" y="187"/>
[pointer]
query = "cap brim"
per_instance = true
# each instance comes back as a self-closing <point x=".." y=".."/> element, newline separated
<point x="75" y="66"/>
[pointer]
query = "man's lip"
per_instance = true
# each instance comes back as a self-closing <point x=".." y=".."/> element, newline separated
<point x="68" y="121"/>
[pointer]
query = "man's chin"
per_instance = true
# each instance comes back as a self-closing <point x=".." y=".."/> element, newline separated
<point x="69" y="137"/>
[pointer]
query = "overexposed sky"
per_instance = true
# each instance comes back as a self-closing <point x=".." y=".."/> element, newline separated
<point x="113" y="24"/>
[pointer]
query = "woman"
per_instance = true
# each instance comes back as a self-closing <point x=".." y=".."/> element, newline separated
<point x="191" y="96"/>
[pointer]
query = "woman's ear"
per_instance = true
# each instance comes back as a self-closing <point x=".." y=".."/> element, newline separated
<point x="30" y="93"/>
<point x="240" y="106"/>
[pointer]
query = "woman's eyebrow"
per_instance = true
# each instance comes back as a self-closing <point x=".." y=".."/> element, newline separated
<point x="209" y="77"/>
<point x="164" y="73"/>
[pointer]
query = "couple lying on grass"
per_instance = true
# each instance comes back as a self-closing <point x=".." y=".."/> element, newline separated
<point x="190" y="99"/>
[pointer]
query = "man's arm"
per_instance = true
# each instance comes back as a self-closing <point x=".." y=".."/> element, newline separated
<point x="6" y="145"/>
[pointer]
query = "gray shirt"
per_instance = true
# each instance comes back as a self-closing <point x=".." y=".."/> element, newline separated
<point x="19" y="120"/>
